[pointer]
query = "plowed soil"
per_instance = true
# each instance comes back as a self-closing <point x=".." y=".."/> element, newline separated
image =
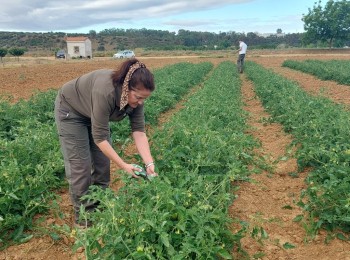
<point x="260" y="202"/>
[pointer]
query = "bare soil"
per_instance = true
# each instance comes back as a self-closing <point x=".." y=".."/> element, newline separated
<point x="261" y="203"/>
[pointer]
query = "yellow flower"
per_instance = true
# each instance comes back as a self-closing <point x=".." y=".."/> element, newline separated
<point x="72" y="233"/>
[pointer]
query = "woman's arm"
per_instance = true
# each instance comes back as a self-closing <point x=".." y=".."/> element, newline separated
<point x="108" y="150"/>
<point x="142" y="146"/>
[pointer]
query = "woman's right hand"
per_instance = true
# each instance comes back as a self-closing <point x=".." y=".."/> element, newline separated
<point x="108" y="150"/>
<point x="129" y="168"/>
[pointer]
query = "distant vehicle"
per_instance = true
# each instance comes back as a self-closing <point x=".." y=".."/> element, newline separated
<point x="61" y="54"/>
<point x="124" y="54"/>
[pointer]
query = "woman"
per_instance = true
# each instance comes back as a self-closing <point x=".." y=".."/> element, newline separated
<point x="83" y="109"/>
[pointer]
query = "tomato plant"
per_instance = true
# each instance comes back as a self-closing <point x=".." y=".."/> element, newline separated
<point x="321" y="132"/>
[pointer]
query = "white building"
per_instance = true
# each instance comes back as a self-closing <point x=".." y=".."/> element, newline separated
<point x="78" y="47"/>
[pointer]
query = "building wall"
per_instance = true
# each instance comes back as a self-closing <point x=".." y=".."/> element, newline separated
<point x="79" y="49"/>
<point x="88" y="48"/>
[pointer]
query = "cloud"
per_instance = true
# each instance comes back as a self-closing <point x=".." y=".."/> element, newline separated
<point x="257" y="24"/>
<point x="48" y="15"/>
<point x="191" y="23"/>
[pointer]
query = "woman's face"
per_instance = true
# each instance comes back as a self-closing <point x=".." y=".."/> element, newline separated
<point x="137" y="96"/>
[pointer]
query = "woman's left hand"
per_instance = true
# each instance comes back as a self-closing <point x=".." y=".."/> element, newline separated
<point x="151" y="170"/>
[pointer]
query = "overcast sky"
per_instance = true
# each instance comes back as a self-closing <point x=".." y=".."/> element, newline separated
<point x="81" y="16"/>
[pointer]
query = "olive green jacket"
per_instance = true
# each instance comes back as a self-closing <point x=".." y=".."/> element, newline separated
<point x="94" y="96"/>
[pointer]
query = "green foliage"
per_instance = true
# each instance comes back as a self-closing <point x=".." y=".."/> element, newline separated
<point x="182" y="213"/>
<point x="15" y="51"/>
<point x="329" y="23"/>
<point x="172" y="83"/>
<point x="92" y="34"/>
<point x="115" y="39"/>
<point x="3" y="52"/>
<point x="31" y="161"/>
<point x="288" y="245"/>
<point x="31" y="165"/>
<point x="216" y="136"/>
<point x="321" y="132"/>
<point x="336" y="70"/>
<point x="101" y="48"/>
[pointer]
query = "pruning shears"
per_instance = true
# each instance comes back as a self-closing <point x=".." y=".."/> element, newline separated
<point x="142" y="173"/>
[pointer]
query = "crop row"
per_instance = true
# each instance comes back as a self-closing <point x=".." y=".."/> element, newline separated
<point x="183" y="213"/>
<point x="336" y="70"/>
<point x="31" y="162"/>
<point x="321" y="130"/>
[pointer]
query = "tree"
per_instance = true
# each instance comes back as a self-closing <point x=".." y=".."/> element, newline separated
<point x="329" y="23"/>
<point x="279" y="31"/>
<point x="92" y="34"/>
<point x="3" y="53"/>
<point x="14" y="51"/>
<point x="101" y="47"/>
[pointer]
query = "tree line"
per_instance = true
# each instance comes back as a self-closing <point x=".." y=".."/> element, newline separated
<point x="116" y="39"/>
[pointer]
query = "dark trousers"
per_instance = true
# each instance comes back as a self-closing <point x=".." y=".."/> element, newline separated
<point x="240" y="63"/>
<point x="85" y="164"/>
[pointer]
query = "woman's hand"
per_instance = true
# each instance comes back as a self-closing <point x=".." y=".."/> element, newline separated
<point x="151" y="170"/>
<point x="129" y="168"/>
<point x="108" y="150"/>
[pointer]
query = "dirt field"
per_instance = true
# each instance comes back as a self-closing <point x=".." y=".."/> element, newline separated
<point x="258" y="202"/>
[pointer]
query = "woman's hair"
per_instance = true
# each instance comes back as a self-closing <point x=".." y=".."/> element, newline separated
<point x="140" y="76"/>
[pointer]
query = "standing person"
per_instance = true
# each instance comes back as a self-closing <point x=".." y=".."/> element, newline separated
<point x="83" y="109"/>
<point x="241" y="55"/>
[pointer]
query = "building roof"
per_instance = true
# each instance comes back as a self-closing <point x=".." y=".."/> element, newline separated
<point x="76" y="39"/>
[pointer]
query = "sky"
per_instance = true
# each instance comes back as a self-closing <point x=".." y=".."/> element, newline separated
<point x="81" y="16"/>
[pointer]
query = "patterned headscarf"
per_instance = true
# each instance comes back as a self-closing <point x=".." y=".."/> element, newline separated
<point x="125" y="87"/>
